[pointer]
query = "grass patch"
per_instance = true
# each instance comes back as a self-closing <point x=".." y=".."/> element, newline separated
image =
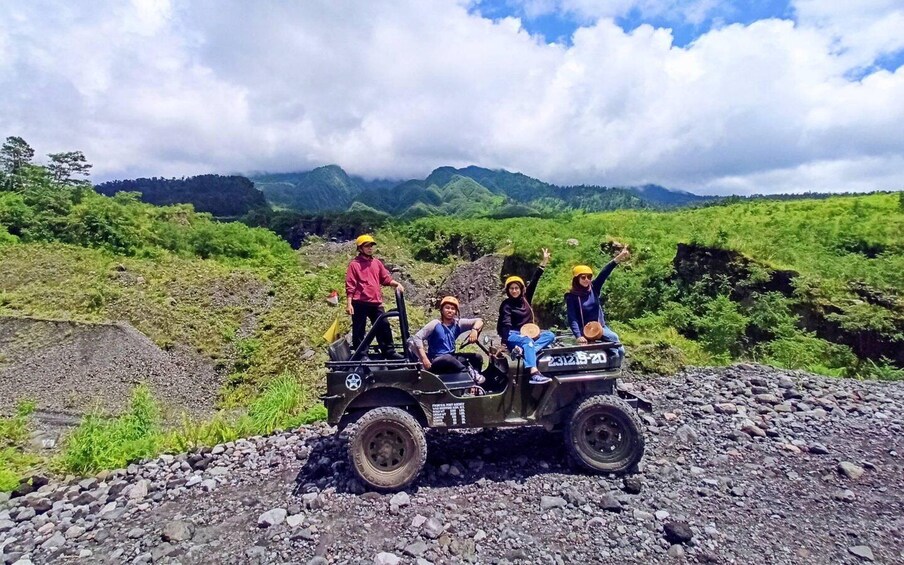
<point x="15" y="461"/>
<point x="109" y="443"/>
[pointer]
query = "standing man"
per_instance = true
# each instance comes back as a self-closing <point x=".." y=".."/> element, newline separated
<point x="363" y="295"/>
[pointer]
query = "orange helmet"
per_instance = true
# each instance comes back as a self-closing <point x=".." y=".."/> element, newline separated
<point x="448" y="300"/>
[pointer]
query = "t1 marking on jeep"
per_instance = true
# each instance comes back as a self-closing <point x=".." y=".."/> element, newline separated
<point x="455" y="411"/>
<point x="578" y="358"/>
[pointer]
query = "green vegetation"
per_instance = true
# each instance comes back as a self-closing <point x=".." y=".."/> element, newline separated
<point x="838" y="313"/>
<point x="222" y="196"/>
<point x="103" y="442"/>
<point x="15" y="461"/>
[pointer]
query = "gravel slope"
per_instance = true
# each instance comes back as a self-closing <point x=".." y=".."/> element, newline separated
<point x="743" y="465"/>
<point x="72" y="368"/>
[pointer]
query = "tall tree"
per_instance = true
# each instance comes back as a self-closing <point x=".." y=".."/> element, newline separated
<point x="64" y="167"/>
<point x="15" y="154"/>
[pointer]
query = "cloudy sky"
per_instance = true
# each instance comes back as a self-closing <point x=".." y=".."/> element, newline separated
<point x="713" y="96"/>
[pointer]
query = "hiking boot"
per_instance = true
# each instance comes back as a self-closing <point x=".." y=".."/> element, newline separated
<point x="539" y="379"/>
<point x="393" y="356"/>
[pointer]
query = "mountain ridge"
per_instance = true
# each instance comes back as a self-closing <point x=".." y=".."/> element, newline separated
<point x="331" y="189"/>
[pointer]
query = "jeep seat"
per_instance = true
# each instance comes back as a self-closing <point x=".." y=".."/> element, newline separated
<point x="340" y="350"/>
<point x="456" y="380"/>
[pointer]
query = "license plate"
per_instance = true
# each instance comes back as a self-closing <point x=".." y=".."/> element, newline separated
<point x="578" y="358"/>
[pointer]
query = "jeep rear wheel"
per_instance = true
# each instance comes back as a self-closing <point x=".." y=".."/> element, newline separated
<point x="387" y="448"/>
<point x="603" y="434"/>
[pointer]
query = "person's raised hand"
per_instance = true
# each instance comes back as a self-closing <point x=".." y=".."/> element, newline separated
<point x="623" y="255"/>
<point x="546" y="256"/>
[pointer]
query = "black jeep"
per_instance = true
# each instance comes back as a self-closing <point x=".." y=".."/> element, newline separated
<point x="387" y="404"/>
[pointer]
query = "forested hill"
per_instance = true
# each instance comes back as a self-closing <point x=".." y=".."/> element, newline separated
<point x="469" y="191"/>
<point x="222" y="196"/>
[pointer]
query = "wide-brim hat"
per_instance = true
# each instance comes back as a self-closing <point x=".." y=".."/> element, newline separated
<point x="593" y="330"/>
<point x="530" y="330"/>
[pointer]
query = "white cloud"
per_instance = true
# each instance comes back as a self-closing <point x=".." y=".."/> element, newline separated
<point x="691" y="11"/>
<point x="862" y="30"/>
<point x="396" y="89"/>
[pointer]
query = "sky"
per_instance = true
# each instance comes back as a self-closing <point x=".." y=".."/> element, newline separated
<point x="711" y="96"/>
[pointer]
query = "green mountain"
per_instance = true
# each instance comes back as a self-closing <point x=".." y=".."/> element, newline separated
<point x="222" y="196"/>
<point x="323" y="189"/>
<point x="493" y="193"/>
<point x="401" y="197"/>
<point x="517" y="186"/>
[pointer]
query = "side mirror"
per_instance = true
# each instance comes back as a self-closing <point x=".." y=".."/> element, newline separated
<point x="485" y="340"/>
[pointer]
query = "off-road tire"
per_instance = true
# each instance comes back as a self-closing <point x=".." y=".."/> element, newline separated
<point x="387" y="448"/>
<point x="604" y="434"/>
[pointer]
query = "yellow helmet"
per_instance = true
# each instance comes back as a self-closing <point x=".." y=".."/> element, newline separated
<point x="362" y="239"/>
<point x="581" y="270"/>
<point x="448" y="300"/>
<point x="514" y="279"/>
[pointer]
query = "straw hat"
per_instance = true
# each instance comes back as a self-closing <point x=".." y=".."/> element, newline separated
<point x="593" y="331"/>
<point x="530" y="330"/>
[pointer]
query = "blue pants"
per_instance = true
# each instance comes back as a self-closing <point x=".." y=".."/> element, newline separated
<point x="530" y="346"/>
<point x="610" y="335"/>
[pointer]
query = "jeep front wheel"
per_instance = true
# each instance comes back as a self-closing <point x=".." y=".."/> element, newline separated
<point x="603" y="434"/>
<point x="387" y="448"/>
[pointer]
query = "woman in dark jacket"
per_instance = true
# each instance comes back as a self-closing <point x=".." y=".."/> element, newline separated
<point x="583" y="300"/>
<point x="515" y="311"/>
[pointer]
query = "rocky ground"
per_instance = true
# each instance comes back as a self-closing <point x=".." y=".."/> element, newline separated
<point x="743" y="465"/>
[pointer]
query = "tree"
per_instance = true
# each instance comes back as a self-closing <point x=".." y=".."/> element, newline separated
<point x="15" y="158"/>
<point x="15" y="154"/>
<point x="65" y="166"/>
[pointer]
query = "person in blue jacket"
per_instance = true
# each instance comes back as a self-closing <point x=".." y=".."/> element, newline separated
<point x="583" y="300"/>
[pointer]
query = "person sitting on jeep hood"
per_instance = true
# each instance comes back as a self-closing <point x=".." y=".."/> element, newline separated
<point x="583" y="303"/>
<point x="515" y="312"/>
<point x="440" y="336"/>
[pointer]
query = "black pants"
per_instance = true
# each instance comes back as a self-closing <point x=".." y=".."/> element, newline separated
<point x="363" y="312"/>
<point x="455" y="362"/>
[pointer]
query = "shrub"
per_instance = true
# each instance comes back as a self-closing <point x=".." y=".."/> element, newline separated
<point x="806" y="351"/>
<point x="102" y="222"/>
<point x="722" y="327"/>
<point x="110" y="443"/>
<point x="884" y="370"/>
<point x="771" y="314"/>
<point x="658" y="357"/>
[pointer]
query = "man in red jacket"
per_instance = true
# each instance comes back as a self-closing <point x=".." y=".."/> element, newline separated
<point x="364" y="297"/>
